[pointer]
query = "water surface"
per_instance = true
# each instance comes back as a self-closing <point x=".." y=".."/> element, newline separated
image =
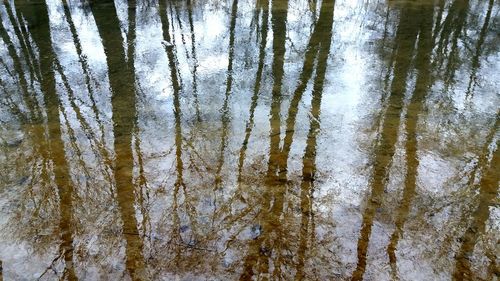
<point x="250" y="140"/>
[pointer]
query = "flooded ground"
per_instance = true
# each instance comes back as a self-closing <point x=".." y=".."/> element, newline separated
<point x="250" y="140"/>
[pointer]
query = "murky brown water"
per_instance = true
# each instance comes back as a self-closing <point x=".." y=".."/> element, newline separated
<point x="250" y="140"/>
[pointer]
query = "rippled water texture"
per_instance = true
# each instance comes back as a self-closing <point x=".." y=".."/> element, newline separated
<point x="250" y="140"/>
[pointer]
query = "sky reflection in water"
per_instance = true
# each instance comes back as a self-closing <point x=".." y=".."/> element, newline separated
<point x="222" y="140"/>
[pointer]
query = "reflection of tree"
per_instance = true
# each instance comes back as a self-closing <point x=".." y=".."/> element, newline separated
<point x="176" y="238"/>
<point x="447" y="35"/>
<point x="258" y="252"/>
<point x="479" y="48"/>
<point x="97" y="146"/>
<point x="172" y="63"/>
<point x="229" y="85"/>
<point x="195" y="58"/>
<point x="40" y="32"/>
<point x="450" y="31"/>
<point x="455" y="22"/>
<point x="269" y="245"/>
<point x="451" y="26"/>
<point x="18" y="69"/>
<point x="37" y="197"/>
<point x="262" y="5"/>
<point x="309" y="159"/>
<point x="278" y="21"/>
<point x="75" y="170"/>
<point x="282" y="241"/>
<point x="313" y="51"/>
<point x="121" y="79"/>
<point x="22" y="37"/>
<point x="85" y="68"/>
<point x="414" y="109"/>
<point x="488" y="190"/>
<point x="404" y="46"/>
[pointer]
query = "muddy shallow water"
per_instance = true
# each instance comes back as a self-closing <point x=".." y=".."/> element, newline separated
<point x="250" y="140"/>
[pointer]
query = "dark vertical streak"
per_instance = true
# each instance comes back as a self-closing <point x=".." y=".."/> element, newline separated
<point x="179" y="183"/>
<point x="179" y="22"/>
<point x="19" y="34"/>
<point x="132" y="5"/>
<point x="475" y="59"/>
<point x="177" y="112"/>
<point x="309" y="159"/>
<point x="177" y="88"/>
<point x="324" y="24"/>
<point x="8" y="102"/>
<point x="269" y="217"/>
<point x="439" y="17"/>
<point x="39" y="21"/>
<point x="172" y="26"/>
<point x="488" y="190"/>
<point x="415" y="107"/>
<point x="256" y="89"/>
<point x="386" y="25"/>
<point x="142" y="183"/>
<point x="170" y="53"/>
<point x="195" y="59"/>
<point x="122" y="83"/>
<point x="453" y="57"/>
<point x="255" y="18"/>
<point x="229" y="84"/>
<point x="450" y="31"/>
<point x="26" y="35"/>
<point x="278" y="21"/>
<point x="86" y="127"/>
<point x="83" y="64"/>
<point x="28" y="99"/>
<point x="405" y="41"/>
